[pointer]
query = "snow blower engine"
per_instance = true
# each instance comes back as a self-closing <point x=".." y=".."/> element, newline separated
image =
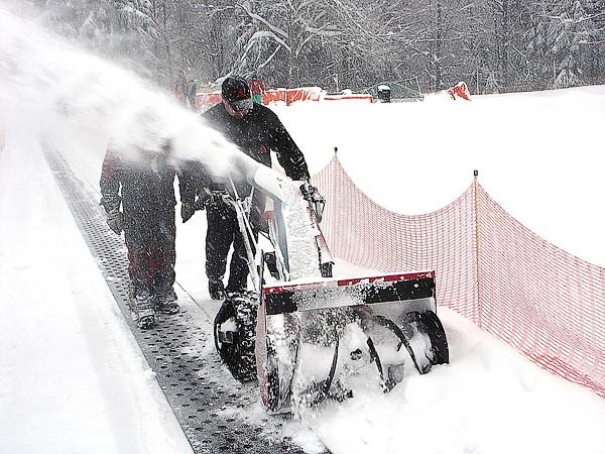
<point x="306" y="336"/>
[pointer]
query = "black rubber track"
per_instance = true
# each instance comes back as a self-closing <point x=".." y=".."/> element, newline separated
<point x="180" y="350"/>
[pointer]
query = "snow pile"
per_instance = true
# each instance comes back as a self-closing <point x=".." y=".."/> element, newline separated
<point x="538" y="155"/>
<point x="72" y="378"/>
<point x="487" y="401"/>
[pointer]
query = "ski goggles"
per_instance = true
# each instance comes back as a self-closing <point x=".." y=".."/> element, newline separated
<point x="241" y="104"/>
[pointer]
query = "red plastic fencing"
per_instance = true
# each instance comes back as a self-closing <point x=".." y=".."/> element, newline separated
<point x="491" y="269"/>
<point x="207" y="99"/>
<point x="291" y="95"/>
<point x="542" y="300"/>
<point x="288" y="96"/>
<point x="363" y="233"/>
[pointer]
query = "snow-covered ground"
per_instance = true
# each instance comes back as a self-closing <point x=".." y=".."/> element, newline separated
<point x="72" y="378"/>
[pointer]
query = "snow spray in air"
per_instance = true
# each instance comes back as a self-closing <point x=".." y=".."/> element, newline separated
<point x="61" y="96"/>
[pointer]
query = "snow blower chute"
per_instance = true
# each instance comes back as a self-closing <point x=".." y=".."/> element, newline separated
<point x="307" y="336"/>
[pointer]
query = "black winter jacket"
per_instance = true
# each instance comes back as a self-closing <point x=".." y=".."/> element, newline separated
<point x="256" y="134"/>
<point x="147" y="184"/>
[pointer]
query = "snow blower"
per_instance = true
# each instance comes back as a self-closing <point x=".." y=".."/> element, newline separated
<point x="307" y="336"/>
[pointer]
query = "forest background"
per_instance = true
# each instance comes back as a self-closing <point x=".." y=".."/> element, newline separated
<point x="495" y="46"/>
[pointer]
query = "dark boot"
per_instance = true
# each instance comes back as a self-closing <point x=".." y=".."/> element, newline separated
<point x="166" y="303"/>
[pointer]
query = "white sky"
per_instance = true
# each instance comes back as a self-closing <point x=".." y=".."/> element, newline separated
<point x="72" y="378"/>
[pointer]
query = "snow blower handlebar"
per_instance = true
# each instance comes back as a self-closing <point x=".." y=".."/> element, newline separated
<point x="267" y="181"/>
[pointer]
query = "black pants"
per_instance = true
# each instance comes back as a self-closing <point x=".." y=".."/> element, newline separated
<point x="223" y="231"/>
<point x="150" y="240"/>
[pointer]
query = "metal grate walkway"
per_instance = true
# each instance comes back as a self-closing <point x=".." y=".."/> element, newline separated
<point x="208" y="403"/>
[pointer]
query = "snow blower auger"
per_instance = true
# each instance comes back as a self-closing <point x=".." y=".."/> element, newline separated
<point x="319" y="337"/>
<point x="322" y="339"/>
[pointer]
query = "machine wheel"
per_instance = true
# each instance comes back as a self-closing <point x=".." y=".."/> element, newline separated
<point x="234" y="335"/>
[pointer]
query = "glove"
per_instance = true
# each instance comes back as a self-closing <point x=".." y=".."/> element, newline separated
<point x="315" y="199"/>
<point x="187" y="211"/>
<point x="115" y="221"/>
<point x="258" y="220"/>
<point x="215" y="199"/>
<point x="204" y="199"/>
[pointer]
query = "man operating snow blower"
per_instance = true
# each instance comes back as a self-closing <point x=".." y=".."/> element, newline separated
<point x="257" y="131"/>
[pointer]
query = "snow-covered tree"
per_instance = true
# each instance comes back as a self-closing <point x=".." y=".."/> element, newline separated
<point x="124" y="30"/>
<point x="564" y="44"/>
<point x="494" y="45"/>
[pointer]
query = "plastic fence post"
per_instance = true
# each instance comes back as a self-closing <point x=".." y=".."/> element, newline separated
<point x="477" y="246"/>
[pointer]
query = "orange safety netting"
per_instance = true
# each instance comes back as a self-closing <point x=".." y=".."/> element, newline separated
<point x="292" y="95"/>
<point x="288" y="96"/>
<point x="491" y="269"/>
<point x="208" y="99"/>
